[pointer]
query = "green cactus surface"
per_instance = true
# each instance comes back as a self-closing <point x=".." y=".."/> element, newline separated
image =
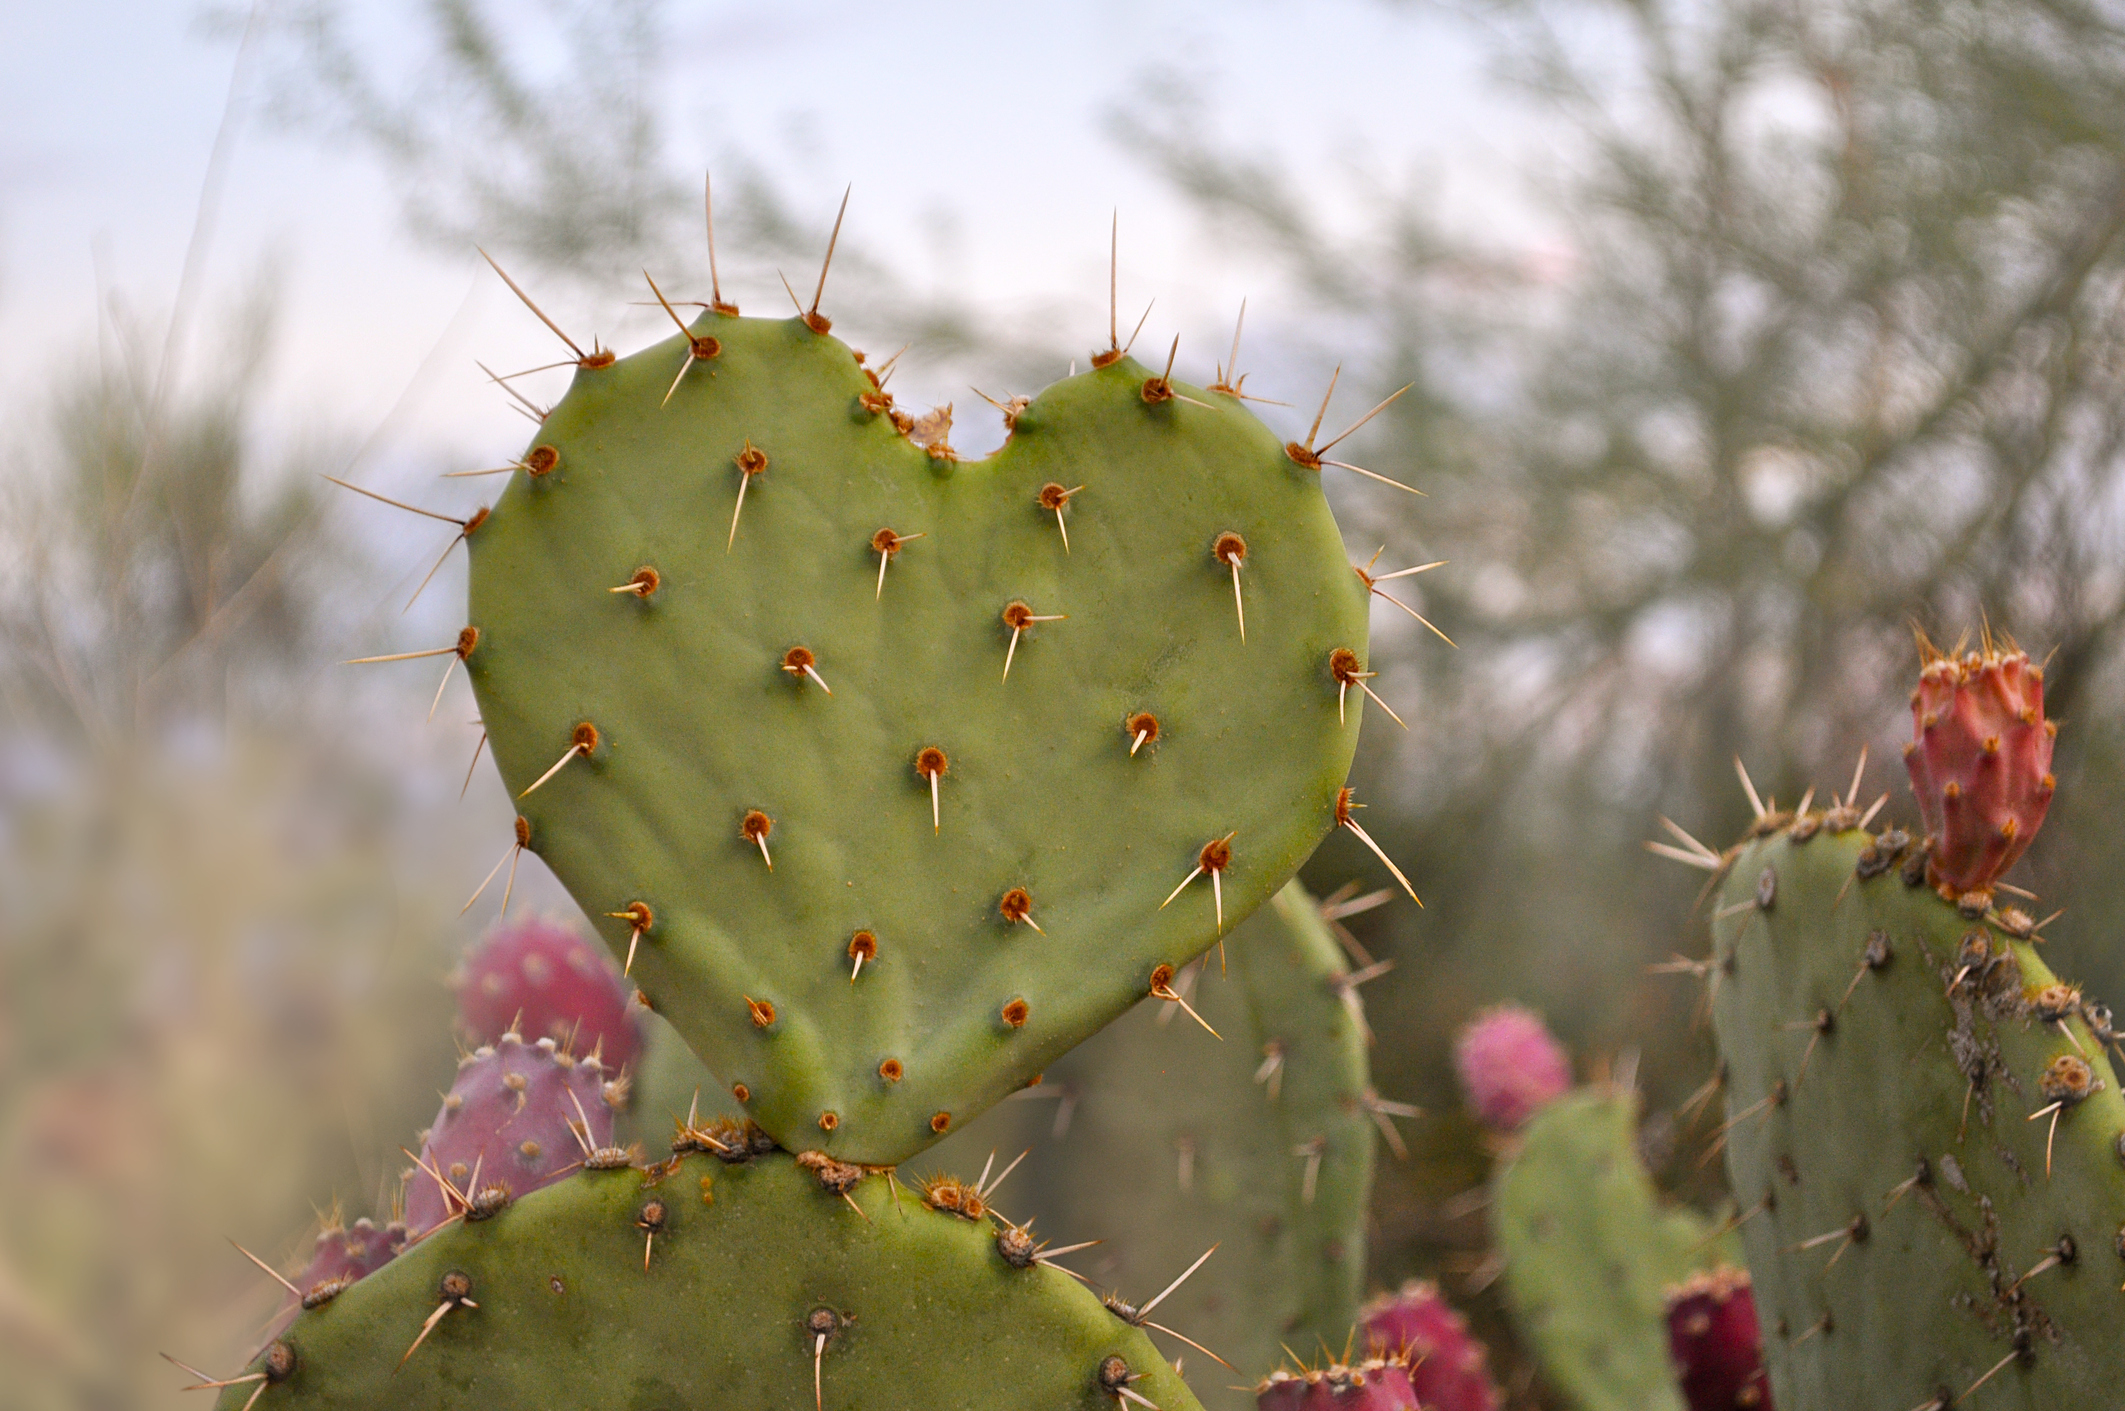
<point x="1590" y="1252"/>
<point x="1920" y="1232"/>
<point x="1261" y="1145"/>
<point x="753" y="824"/>
<point x="705" y="1285"/>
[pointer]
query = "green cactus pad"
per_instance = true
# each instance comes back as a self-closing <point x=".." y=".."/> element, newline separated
<point x="1589" y="1253"/>
<point x="699" y="727"/>
<point x="1274" y="1168"/>
<point x="919" y="1308"/>
<point x="1902" y="1211"/>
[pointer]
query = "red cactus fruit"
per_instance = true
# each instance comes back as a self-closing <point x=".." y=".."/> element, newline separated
<point x="1980" y="764"/>
<point x="513" y="1121"/>
<point x="1713" y="1337"/>
<point x="546" y="979"/>
<point x="1449" y="1369"/>
<point x="1510" y="1066"/>
<point x="1376" y="1384"/>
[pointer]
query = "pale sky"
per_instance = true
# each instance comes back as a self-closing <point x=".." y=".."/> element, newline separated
<point x="975" y="136"/>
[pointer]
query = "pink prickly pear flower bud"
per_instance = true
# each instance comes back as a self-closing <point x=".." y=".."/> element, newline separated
<point x="1510" y="1065"/>
<point x="1980" y="763"/>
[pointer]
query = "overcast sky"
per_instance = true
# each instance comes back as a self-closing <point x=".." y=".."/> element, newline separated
<point x="976" y="135"/>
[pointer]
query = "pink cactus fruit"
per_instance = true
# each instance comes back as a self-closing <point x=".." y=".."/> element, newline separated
<point x="1510" y="1066"/>
<point x="1980" y="763"/>
<point x="548" y="980"/>
<point x="1449" y="1369"/>
<point x="1376" y="1384"/>
<point x="1717" y="1346"/>
<point x="341" y="1255"/>
<point x="519" y="1116"/>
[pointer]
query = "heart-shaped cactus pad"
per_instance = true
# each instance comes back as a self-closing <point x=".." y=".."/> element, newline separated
<point x="887" y="783"/>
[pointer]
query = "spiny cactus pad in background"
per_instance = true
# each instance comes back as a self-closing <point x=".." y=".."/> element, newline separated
<point x="707" y="1285"/>
<point x="1376" y="1384"/>
<point x="1717" y="1346"/>
<point x="1449" y="1369"/>
<point x="1980" y="764"/>
<point x="1589" y="1252"/>
<point x="517" y="1117"/>
<point x="1916" y="1224"/>
<point x="757" y="836"/>
<point x="1510" y="1066"/>
<point x="543" y="977"/>
<point x="1162" y="1141"/>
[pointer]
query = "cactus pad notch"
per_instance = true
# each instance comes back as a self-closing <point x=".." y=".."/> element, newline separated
<point x="757" y="823"/>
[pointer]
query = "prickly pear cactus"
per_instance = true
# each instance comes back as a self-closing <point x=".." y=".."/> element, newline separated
<point x="1925" y="1131"/>
<point x="1589" y="1253"/>
<point x="740" y="638"/>
<point x="703" y="1284"/>
<point x="1261" y="1144"/>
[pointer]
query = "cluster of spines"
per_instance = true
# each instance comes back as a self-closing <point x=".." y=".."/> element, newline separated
<point x="1370" y="1384"/>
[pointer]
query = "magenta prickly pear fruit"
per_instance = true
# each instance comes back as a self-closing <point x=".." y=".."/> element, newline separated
<point x="519" y="1116"/>
<point x="1980" y="763"/>
<point x="343" y="1254"/>
<point x="1376" y="1384"/>
<point x="544" y="978"/>
<point x="1449" y="1369"/>
<point x="1511" y="1066"/>
<point x="1717" y="1346"/>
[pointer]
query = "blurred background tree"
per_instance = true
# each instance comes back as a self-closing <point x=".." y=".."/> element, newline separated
<point x="1832" y="349"/>
<point x="219" y="944"/>
<point x="1838" y="355"/>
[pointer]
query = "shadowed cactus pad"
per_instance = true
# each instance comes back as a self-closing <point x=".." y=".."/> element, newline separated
<point x="1589" y="1253"/>
<point x="880" y="711"/>
<point x="705" y="1285"/>
<point x="1163" y="1141"/>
